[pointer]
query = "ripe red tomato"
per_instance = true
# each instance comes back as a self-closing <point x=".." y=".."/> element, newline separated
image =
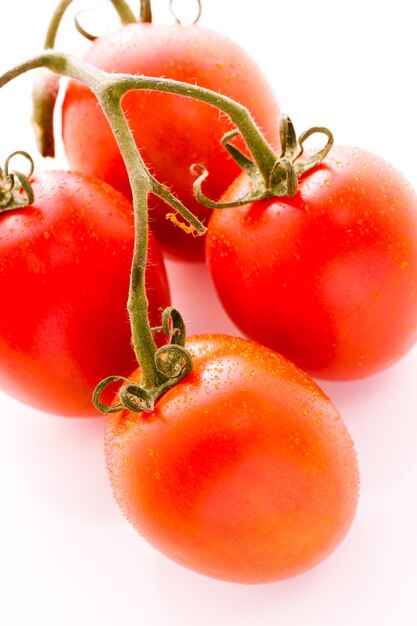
<point x="172" y="132"/>
<point x="64" y="275"/>
<point x="329" y="277"/>
<point x="244" y="471"/>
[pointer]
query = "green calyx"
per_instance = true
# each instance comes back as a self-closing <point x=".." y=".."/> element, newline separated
<point x="15" y="189"/>
<point x="281" y="179"/>
<point x="172" y="363"/>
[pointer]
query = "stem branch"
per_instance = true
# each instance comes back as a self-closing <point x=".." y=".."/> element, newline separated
<point x="262" y="153"/>
<point x="142" y="336"/>
<point x="123" y="9"/>
<point x="124" y="12"/>
<point x="145" y="11"/>
<point x="56" y="19"/>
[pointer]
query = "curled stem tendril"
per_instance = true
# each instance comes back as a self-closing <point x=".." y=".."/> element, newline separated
<point x="81" y="28"/>
<point x="177" y="19"/>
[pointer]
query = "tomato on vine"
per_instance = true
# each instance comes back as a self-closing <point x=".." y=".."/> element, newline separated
<point x="64" y="270"/>
<point x="243" y="471"/>
<point x="327" y="276"/>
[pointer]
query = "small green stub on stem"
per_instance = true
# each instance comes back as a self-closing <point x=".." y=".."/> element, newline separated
<point x="145" y="11"/>
<point x="15" y="189"/>
<point x="44" y="94"/>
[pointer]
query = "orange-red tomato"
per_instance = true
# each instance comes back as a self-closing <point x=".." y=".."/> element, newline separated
<point x="244" y="471"/>
<point x="329" y="277"/>
<point x="64" y="273"/>
<point x="172" y="132"/>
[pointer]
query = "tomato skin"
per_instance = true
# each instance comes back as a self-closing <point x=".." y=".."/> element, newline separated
<point x="329" y="277"/>
<point x="64" y="275"/>
<point x="244" y="471"/>
<point x="172" y="132"/>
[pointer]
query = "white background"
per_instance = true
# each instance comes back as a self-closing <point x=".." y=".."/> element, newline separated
<point x="67" y="556"/>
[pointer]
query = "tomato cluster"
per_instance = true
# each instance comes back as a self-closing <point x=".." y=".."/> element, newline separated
<point x="243" y="470"/>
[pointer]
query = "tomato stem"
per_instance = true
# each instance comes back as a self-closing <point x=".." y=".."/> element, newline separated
<point x="145" y="11"/>
<point x="97" y="80"/>
<point x="45" y="87"/>
<point x="44" y="94"/>
<point x="263" y="155"/>
<point x="196" y="19"/>
<point x="262" y="152"/>
<point x="123" y="10"/>
<point x="271" y="175"/>
<point x="55" y="22"/>
<point x="142" y="337"/>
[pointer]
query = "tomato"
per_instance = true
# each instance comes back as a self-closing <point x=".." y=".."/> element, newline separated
<point x="244" y="471"/>
<point x="172" y="132"/>
<point x="64" y="278"/>
<point x="328" y="277"/>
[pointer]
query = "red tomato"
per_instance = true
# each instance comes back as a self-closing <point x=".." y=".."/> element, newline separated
<point x="64" y="275"/>
<point x="244" y="471"/>
<point x="172" y="131"/>
<point x="329" y="277"/>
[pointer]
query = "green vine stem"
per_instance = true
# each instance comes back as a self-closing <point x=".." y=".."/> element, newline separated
<point x="142" y="337"/>
<point x="271" y="175"/>
<point x="45" y="90"/>
<point x="263" y="154"/>
<point x="54" y="23"/>
<point x="123" y="10"/>
<point x="46" y="84"/>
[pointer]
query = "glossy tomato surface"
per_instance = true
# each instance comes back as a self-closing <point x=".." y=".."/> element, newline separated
<point x="64" y="278"/>
<point x="244" y="471"/>
<point x="172" y="132"/>
<point x="329" y="277"/>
